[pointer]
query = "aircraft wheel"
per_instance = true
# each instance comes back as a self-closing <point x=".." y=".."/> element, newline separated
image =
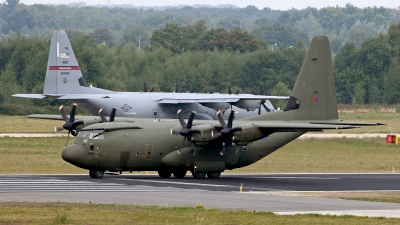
<point x="215" y="175"/>
<point x="98" y="174"/>
<point x="91" y="174"/>
<point x="197" y="175"/>
<point x="164" y="173"/>
<point x="180" y="173"/>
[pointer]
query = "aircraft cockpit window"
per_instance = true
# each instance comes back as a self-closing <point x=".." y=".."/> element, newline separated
<point x="91" y="134"/>
<point x="98" y="134"/>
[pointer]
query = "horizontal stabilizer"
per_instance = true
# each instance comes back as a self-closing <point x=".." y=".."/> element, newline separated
<point x="37" y="96"/>
<point x="347" y="123"/>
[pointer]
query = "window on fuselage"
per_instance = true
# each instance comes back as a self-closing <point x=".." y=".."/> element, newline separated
<point x="91" y="134"/>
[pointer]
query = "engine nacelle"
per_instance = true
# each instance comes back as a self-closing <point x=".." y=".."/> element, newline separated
<point x="249" y="133"/>
<point x="249" y="105"/>
<point x="205" y="133"/>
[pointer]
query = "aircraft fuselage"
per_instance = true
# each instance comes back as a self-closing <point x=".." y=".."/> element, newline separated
<point x="146" y="105"/>
<point x="151" y="148"/>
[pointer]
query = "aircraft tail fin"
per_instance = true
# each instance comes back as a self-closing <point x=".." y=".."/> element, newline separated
<point x="313" y="96"/>
<point x="63" y="75"/>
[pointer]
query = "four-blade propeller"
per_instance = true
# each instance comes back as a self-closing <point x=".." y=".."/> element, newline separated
<point x="186" y="131"/>
<point x="70" y="123"/>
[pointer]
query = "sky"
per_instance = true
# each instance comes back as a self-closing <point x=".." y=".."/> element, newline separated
<point x="277" y="5"/>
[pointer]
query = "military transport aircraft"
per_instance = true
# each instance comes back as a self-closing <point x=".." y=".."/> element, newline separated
<point x="210" y="147"/>
<point x="64" y="81"/>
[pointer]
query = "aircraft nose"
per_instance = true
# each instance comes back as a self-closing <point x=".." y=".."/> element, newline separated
<point x="72" y="154"/>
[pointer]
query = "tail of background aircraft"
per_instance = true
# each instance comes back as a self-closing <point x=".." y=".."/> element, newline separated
<point x="313" y="96"/>
<point x="63" y="75"/>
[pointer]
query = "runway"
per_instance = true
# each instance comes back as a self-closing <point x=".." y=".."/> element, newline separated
<point x="223" y="193"/>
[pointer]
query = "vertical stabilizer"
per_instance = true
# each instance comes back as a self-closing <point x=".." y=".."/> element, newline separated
<point x="63" y="75"/>
<point x="313" y="95"/>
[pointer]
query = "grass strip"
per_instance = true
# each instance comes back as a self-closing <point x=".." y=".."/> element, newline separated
<point x="85" y="213"/>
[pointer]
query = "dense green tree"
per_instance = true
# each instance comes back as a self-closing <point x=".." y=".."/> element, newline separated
<point x="392" y="84"/>
<point x="234" y="40"/>
<point x="103" y="36"/>
<point x="137" y="34"/>
<point x="8" y="8"/>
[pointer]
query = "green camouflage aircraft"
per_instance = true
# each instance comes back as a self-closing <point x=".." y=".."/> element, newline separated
<point x="210" y="147"/>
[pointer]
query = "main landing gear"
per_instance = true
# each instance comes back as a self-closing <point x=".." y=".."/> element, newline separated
<point x="96" y="173"/>
<point x="181" y="173"/>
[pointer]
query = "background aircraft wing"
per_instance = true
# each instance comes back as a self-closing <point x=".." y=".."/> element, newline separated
<point x="211" y="98"/>
<point x="58" y="117"/>
<point x="63" y="97"/>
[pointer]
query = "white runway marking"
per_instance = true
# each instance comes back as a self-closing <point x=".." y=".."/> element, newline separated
<point x="56" y="185"/>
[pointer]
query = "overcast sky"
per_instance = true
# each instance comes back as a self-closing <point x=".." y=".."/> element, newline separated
<point x="282" y="5"/>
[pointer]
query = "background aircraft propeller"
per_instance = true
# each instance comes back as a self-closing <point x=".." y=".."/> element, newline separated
<point x="262" y="103"/>
<point x="145" y="87"/>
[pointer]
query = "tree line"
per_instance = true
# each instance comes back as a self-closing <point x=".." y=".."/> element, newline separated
<point x="283" y="28"/>
<point x="363" y="75"/>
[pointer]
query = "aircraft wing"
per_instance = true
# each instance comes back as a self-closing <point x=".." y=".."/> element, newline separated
<point x="63" y="97"/>
<point x="292" y="126"/>
<point x="211" y="98"/>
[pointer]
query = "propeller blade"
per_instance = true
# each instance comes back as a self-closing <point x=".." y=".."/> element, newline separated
<point x="152" y="89"/>
<point x="67" y="139"/>
<point x="215" y="134"/>
<point x="230" y="119"/>
<point x="112" y="115"/>
<point x="63" y="114"/>
<point x="174" y="132"/>
<point x="72" y="115"/>
<point x="259" y="110"/>
<point x="102" y="116"/>
<point x="58" y="129"/>
<point x="221" y="119"/>
<point x="265" y="107"/>
<point x="190" y="120"/>
<point x="181" y="120"/>
<point x="144" y="86"/>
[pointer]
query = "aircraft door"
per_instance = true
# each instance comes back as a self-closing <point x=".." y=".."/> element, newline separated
<point x="156" y="113"/>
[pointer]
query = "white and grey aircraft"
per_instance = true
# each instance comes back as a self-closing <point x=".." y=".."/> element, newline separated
<point x="64" y="81"/>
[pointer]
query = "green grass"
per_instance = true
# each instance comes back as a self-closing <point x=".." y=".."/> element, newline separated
<point x="22" y="124"/>
<point x="81" y="213"/>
